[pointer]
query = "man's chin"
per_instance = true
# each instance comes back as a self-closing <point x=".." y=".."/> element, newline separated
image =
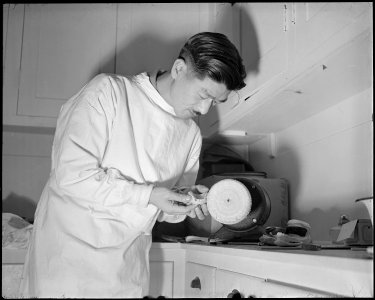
<point x="185" y="116"/>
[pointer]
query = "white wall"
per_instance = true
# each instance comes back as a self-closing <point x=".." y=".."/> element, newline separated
<point x="328" y="161"/>
<point x="26" y="166"/>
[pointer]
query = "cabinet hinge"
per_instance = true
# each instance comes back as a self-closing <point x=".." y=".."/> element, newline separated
<point x="293" y="17"/>
<point x="285" y="25"/>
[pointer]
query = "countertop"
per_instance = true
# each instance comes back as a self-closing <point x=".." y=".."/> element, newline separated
<point x="353" y="253"/>
<point x="17" y="256"/>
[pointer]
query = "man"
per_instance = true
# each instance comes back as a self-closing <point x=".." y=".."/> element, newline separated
<point x="121" y="145"/>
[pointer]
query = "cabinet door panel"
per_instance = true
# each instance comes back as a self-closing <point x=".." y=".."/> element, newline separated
<point x="199" y="281"/>
<point x="227" y="281"/>
<point x="284" y="290"/>
<point x="5" y="26"/>
<point x="64" y="46"/>
<point x="315" y="23"/>
<point x="161" y="279"/>
<point x="10" y="280"/>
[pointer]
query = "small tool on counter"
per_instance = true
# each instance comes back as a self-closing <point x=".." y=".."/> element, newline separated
<point x="295" y="234"/>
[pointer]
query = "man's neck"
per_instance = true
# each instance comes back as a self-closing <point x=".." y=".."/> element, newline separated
<point x="162" y="85"/>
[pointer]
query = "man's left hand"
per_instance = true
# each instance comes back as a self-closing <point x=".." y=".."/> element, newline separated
<point x="201" y="210"/>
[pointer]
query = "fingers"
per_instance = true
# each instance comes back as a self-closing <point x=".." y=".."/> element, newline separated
<point x="199" y="213"/>
<point x="179" y="209"/>
<point x="205" y="209"/>
<point x="180" y="204"/>
<point x="192" y="214"/>
<point x="182" y="198"/>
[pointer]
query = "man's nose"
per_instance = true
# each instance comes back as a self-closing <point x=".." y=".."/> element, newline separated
<point x="204" y="106"/>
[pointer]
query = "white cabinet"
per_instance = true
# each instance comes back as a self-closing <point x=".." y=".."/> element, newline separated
<point x="320" y="56"/>
<point x="63" y="47"/>
<point x="53" y="50"/>
<point x="266" y="273"/>
<point x="201" y="271"/>
<point x="293" y="53"/>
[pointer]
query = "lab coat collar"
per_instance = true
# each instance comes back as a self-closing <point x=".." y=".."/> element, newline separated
<point x="147" y="79"/>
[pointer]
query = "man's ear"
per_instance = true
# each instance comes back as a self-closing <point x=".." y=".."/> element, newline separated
<point x="179" y="68"/>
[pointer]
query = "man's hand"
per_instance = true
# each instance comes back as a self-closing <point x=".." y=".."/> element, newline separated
<point x="171" y="202"/>
<point x="201" y="210"/>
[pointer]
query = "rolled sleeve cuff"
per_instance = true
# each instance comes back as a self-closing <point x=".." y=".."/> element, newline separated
<point x="164" y="217"/>
<point x="140" y="194"/>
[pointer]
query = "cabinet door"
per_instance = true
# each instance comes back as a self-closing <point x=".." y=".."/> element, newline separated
<point x="199" y="281"/>
<point x="64" y="46"/>
<point x="10" y="280"/>
<point x="246" y="285"/>
<point x="161" y="279"/>
<point x="5" y="25"/>
<point x="263" y="49"/>
<point x="316" y="23"/>
<point x="227" y="281"/>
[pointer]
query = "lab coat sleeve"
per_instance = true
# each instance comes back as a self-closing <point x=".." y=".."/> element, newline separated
<point x="188" y="178"/>
<point x="80" y="149"/>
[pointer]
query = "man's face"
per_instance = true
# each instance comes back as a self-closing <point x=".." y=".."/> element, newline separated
<point x="192" y="96"/>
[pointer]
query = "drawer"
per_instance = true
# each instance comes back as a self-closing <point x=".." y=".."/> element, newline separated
<point x="199" y="281"/>
<point x="227" y="281"/>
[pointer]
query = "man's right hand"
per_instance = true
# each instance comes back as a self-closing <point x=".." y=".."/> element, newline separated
<point x="171" y="202"/>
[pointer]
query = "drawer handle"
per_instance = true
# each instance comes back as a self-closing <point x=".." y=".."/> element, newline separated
<point x="234" y="294"/>
<point x="196" y="283"/>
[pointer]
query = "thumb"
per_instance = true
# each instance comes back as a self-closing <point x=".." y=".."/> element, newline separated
<point x="183" y="198"/>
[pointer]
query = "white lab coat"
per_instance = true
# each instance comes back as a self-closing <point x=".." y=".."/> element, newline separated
<point x="114" y="141"/>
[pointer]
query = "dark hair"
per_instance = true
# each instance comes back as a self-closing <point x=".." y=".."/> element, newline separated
<point x="212" y="54"/>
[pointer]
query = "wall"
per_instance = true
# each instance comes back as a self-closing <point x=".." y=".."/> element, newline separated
<point x="327" y="160"/>
<point x="26" y="166"/>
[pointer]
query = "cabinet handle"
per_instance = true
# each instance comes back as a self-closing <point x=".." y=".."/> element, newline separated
<point x="234" y="294"/>
<point x="196" y="283"/>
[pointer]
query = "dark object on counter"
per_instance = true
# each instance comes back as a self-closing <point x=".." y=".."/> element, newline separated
<point x="218" y="159"/>
<point x="161" y="229"/>
<point x="335" y="231"/>
<point x="356" y="232"/>
<point x="296" y="233"/>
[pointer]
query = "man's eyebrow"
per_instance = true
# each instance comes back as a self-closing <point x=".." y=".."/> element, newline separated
<point x="209" y="95"/>
<point x="223" y="100"/>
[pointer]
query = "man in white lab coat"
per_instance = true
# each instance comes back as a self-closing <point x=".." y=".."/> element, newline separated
<point x="121" y="145"/>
